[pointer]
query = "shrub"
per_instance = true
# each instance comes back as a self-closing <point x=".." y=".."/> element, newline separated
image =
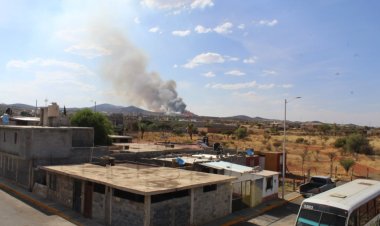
<point x="347" y="163"/>
<point x="340" y="142"/>
<point x="241" y="133"/>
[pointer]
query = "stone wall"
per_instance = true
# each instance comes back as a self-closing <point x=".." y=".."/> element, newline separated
<point x="171" y="212"/>
<point x="127" y="212"/>
<point x="62" y="191"/>
<point x="211" y="205"/>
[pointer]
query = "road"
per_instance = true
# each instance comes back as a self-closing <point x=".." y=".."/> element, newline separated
<point x="281" y="216"/>
<point x="17" y="213"/>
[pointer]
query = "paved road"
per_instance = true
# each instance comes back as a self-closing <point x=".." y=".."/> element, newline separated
<point x="281" y="216"/>
<point x="17" y="213"/>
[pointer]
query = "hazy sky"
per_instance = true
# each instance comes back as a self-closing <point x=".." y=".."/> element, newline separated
<point x="226" y="57"/>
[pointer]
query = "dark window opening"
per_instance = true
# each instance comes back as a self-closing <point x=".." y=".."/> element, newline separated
<point x="40" y="177"/>
<point x="99" y="188"/>
<point x="15" y="138"/>
<point x="269" y="183"/>
<point x="170" y="195"/>
<point x="209" y="188"/>
<point x="53" y="182"/>
<point x="128" y="195"/>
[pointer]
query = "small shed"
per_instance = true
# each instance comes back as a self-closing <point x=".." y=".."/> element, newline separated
<point x="252" y="185"/>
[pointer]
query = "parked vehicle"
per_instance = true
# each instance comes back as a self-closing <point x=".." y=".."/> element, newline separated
<point x="354" y="203"/>
<point x="317" y="184"/>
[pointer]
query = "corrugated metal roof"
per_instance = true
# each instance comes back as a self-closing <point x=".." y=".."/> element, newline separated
<point x="228" y="166"/>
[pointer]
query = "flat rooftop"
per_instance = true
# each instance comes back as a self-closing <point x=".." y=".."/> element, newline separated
<point x="139" y="179"/>
<point x="239" y="168"/>
<point x="190" y="159"/>
<point x="151" y="147"/>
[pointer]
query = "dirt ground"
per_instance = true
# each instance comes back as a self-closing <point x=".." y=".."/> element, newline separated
<point x="316" y="160"/>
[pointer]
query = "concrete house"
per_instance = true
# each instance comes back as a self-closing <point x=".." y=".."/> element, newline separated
<point x="24" y="148"/>
<point x="131" y="194"/>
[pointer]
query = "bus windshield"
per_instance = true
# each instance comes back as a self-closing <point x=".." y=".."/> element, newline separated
<point x="316" y="218"/>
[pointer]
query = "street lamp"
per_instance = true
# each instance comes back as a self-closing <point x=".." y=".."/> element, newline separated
<point x="283" y="149"/>
<point x="94" y="101"/>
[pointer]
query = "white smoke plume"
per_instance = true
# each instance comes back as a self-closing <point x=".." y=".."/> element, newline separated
<point x="126" y="68"/>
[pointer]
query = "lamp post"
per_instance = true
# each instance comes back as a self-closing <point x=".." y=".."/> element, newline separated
<point x="283" y="149"/>
<point x="94" y="101"/>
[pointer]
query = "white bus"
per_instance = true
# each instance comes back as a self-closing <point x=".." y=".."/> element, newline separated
<point x="355" y="203"/>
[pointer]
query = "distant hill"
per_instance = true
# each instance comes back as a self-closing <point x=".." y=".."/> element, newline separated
<point x="21" y="106"/>
<point x="107" y="108"/>
<point x="248" y="118"/>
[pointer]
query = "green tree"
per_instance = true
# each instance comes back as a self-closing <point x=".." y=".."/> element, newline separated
<point x="356" y="143"/>
<point x="332" y="156"/>
<point x="190" y="130"/>
<point x="347" y="163"/>
<point x="102" y="126"/>
<point x="325" y="129"/>
<point x="241" y="132"/>
<point x="304" y="155"/>
<point x="142" y="127"/>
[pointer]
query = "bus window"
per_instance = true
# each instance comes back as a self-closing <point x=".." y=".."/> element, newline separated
<point x="308" y="218"/>
<point x="353" y="220"/>
<point x="328" y="219"/>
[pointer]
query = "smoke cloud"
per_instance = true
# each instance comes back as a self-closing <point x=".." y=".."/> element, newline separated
<point x="126" y="68"/>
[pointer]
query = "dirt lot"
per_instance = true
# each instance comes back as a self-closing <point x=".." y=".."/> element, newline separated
<point x="316" y="160"/>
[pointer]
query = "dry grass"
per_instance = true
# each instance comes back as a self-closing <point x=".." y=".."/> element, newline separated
<point x="317" y="160"/>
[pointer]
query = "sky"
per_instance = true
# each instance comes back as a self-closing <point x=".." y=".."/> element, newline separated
<point x="219" y="57"/>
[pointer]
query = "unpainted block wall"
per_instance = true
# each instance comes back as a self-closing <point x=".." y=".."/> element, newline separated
<point x="23" y="172"/>
<point x="171" y="212"/>
<point x="64" y="191"/>
<point x="127" y="212"/>
<point x="211" y="205"/>
<point x="98" y="208"/>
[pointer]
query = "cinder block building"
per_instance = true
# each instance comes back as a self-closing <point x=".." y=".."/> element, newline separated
<point x="132" y="194"/>
<point x="24" y="148"/>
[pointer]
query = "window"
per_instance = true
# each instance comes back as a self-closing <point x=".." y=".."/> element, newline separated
<point x="15" y="138"/>
<point x="331" y="219"/>
<point x="353" y="220"/>
<point x="363" y="214"/>
<point x="371" y="209"/>
<point x="9" y="165"/>
<point x="308" y="217"/>
<point x="53" y="182"/>
<point x="4" y="136"/>
<point x="170" y="195"/>
<point x="99" y="188"/>
<point x="209" y="188"/>
<point x="128" y="195"/>
<point x="269" y="183"/>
